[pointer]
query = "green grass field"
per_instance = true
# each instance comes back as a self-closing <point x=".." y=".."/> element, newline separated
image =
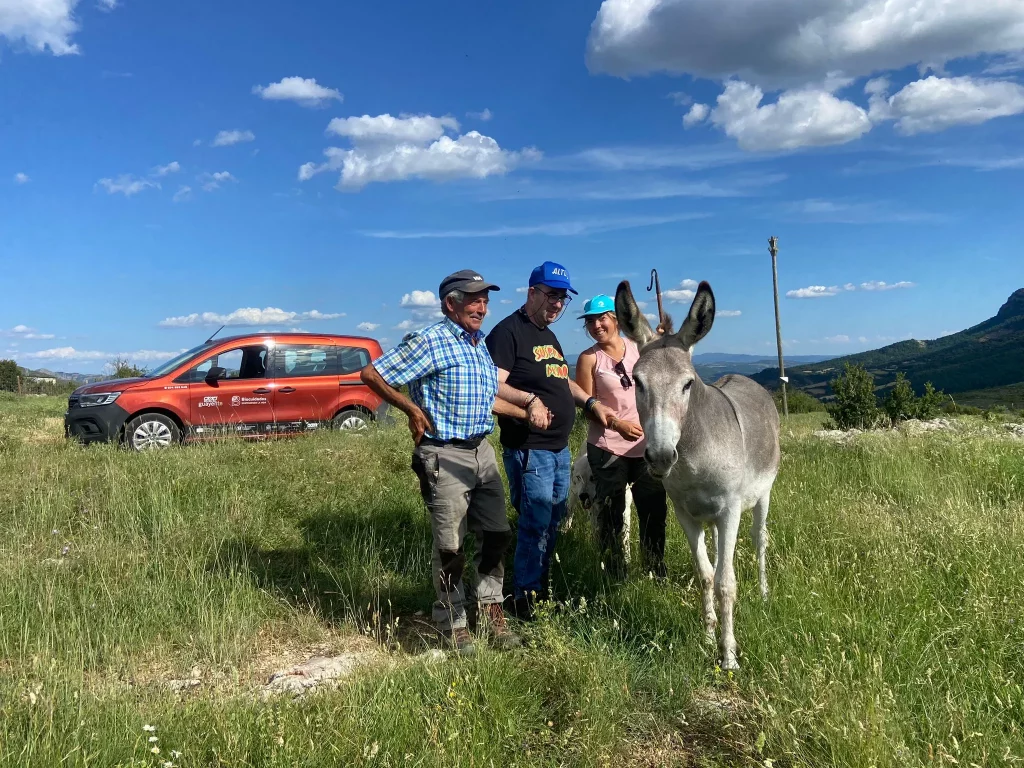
<point x="892" y="636"/>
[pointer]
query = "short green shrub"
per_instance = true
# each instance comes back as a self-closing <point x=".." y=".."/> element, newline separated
<point x="798" y="401"/>
<point x="901" y="403"/>
<point x="854" y="406"/>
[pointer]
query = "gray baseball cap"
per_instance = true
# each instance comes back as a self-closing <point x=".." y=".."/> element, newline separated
<point x="465" y="280"/>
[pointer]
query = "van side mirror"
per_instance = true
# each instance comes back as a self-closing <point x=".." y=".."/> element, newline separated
<point x="215" y="374"/>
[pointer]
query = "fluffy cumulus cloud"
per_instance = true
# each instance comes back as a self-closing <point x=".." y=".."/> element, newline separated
<point x="126" y="185"/>
<point x="387" y="148"/>
<point x="728" y="313"/>
<point x="936" y="103"/>
<point x="21" y="178"/>
<point x="684" y="293"/>
<point x="809" y="50"/>
<point x="39" y="25"/>
<point x="794" y="42"/>
<point x="801" y="118"/>
<point x="24" y="332"/>
<point x="368" y="326"/>
<point x="212" y="181"/>
<point x="825" y="291"/>
<point x="230" y="138"/>
<point x="164" y="170"/>
<point x="420" y="299"/>
<point x="424" y="308"/>
<point x="302" y="90"/>
<point x="184" y="193"/>
<point x="247" y="316"/>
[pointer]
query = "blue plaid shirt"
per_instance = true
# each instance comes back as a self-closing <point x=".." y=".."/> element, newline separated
<point x="451" y="379"/>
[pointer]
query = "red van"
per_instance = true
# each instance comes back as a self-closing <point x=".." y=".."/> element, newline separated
<point x="256" y="385"/>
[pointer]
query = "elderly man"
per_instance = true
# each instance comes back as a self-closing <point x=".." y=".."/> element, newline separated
<point x="452" y="391"/>
<point x="531" y="367"/>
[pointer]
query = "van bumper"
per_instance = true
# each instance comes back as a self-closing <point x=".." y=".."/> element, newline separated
<point x="96" y="424"/>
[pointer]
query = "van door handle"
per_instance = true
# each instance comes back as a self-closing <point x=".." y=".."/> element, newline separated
<point x="261" y="391"/>
<point x="286" y="390"/>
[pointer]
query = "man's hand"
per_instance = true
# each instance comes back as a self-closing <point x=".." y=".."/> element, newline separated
<point x="419" y="423"/>
<point x="628" y="429"/>
<point x="538" y="414"/>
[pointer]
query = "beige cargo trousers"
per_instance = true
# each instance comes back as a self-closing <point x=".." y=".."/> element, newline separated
<point x="462" y="488"/>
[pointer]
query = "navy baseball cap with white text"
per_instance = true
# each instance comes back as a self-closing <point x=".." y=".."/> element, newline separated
<point x="552" y="275"/>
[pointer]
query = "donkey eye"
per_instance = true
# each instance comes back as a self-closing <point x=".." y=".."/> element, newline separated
<point x="639" y="384"/>
<point x="687" y="385"/>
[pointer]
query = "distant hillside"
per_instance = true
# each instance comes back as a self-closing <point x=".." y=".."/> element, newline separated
<point x="991" y="354"/>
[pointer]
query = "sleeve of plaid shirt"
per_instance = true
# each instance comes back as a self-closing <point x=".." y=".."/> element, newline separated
<point x="412" y="359"/>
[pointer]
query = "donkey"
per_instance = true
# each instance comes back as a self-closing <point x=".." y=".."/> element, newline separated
<point x="715" y="447"/>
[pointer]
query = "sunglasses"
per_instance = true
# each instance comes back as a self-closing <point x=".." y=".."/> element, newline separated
<point x="624" y="379"/>
<point x="555" y="298"/>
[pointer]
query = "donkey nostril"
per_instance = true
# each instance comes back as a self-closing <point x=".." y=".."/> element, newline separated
<point x="648" y="456"/>
<point x="675" y="455"/>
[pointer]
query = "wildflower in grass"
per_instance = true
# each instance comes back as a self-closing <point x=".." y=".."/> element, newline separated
<point x="65" y="550"/>
<point x="149" y="728"/>
<point x="155" y="750"/>
<point x="153" y="739"/>
<point x="175" y="754"/>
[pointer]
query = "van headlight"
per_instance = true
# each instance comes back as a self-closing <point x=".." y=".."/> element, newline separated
<point x="100" y="398"/>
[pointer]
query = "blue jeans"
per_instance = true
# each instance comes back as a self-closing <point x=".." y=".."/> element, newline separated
<point x="538" y="483"/>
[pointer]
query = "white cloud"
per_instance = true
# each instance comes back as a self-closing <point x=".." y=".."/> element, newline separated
<point x="184" y="193"/>
<point x="40" y="25"/>
<point x="799" y="118"/>
<point x="823" y="291"/>
<point x="212" y="181"/>
<point x="385" y="129"/>
<point x="70" y="353"/>
<point x="680" y="98"/>
<point x="302" y="90"/>
<point x="728" y="313"/>
<point x="246" y="316"/>
<point x="936" y="103"/>
<point x="505" y="301"/>
<point x="127" y="185"/>
<point x="228" y="138"/>
<point x="554" y="229"/>
<point x="24" y="332"/>
<point x="698" y="114"/>
<point x="881" y="285"/>
<point x="107" y="5"/>
<point x="408" y="325"/>
<point x="813" y="292"/>
<point x="390" y="148"/>
<point x="21" y="178"/>
<point x="163" y="170"/>
<point x="368" y="326"/>
<point x="795" y="42"/>
<point x="484" y="116"/>
<point x="420" y="299"/>
<point x="651" y="317"/>
<point x="840" y="339"/>
<point x="522" y="289"/>
<point x="685" y="292"/>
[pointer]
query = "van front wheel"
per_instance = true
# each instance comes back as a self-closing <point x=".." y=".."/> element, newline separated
<point x="151" y="431"/>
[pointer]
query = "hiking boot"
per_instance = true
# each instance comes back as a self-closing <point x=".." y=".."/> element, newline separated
<point x="502" y="638"/>
<point x="459" y="640"/>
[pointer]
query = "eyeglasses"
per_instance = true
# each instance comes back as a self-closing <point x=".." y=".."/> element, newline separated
<point x="624" y="379"/>
<point x="555" y="298"/>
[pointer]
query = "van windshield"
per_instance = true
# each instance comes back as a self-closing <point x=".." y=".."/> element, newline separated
<point x="170" y="365"/>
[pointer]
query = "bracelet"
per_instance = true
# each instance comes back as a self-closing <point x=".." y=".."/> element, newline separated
<point x="529" y="402"/>
<point x="589" y="405"/>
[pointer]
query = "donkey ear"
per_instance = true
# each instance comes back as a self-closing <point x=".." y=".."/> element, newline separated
<point x="631" y="319"/>
<point x="701" y="317"/>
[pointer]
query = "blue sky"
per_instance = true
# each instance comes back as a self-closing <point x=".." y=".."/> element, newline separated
<point x="163" y="166"/>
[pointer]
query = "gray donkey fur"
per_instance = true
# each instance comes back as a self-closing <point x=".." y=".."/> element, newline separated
<point x="715" y="447"/>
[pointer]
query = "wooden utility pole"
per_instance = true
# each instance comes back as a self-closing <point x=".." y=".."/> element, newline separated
<point x="773" y="248"/>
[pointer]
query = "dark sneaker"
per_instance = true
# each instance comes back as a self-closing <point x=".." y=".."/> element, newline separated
<point x="459" y="640"/>
<point x="502" y="638"/>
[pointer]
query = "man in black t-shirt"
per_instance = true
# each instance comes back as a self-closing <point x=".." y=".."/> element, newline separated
<point x="537" y="461"/>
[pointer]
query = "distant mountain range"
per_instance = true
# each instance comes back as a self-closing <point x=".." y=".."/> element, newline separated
<point x="990" y="354"/>
<point x="78" y="378"/>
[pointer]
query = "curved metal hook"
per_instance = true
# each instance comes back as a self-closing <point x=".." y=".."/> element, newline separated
<point x="656" y="284"/>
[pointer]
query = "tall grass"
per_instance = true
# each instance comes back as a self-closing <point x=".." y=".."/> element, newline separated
<point x="892" y="635"/>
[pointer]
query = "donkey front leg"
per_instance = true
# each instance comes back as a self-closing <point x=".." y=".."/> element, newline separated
<point x="705" y="573"/>
<point x="725" y="581"/>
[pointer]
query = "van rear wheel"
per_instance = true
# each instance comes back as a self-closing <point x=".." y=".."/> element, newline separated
<point x="151" y="431"/>
<point x="352" y="420"/>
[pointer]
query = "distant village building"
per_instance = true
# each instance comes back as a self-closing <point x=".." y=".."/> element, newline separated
<point x="42" y="379"/>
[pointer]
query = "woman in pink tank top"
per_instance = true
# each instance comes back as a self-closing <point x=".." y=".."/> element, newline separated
<point x="616" y="454"/>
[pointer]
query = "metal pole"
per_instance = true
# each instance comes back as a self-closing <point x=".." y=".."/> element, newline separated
<point x="773" y="247"/>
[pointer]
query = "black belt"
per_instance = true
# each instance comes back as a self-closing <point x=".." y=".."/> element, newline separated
<point x="471" y="442"/>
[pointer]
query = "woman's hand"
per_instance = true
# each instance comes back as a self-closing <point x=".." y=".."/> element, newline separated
<point x="628" y="429"/>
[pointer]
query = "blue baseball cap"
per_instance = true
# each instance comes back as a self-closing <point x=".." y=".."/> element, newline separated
<point x="598" y="305"/>
<point x="551" y="274"/>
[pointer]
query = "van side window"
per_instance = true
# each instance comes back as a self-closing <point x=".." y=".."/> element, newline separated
<point x="352" y="359"/>
<point x="294" y="360"/>
<point x="248" y="362"/>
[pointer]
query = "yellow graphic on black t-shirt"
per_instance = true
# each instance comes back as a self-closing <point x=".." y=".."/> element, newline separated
<point x="551" y="370"/>
<point x="546" y="352"/>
